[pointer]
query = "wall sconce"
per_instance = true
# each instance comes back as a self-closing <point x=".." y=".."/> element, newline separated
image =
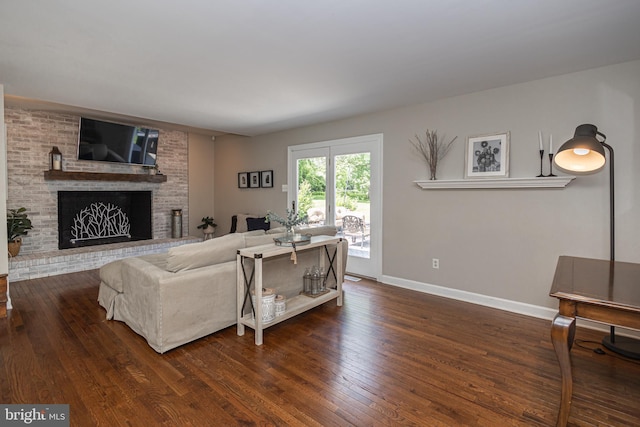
<point x="55" y="159"/>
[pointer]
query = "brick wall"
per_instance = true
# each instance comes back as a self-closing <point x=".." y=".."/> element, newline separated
<point x="30" y="136"/>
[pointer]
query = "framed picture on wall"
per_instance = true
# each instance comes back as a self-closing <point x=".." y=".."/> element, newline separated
<point x="243" y="180"/>
<point x="266" y="179"/>
<point x="254" y="179"/>
<point x="487" y="156"/>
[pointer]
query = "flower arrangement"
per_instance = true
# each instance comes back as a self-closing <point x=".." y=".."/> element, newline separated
<point x="432" y="150"/>
<point x="289" y="222"/>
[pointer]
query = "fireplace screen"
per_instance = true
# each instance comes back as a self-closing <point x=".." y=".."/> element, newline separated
<point x="100" y="220"/>
<point x="99" y="217"/>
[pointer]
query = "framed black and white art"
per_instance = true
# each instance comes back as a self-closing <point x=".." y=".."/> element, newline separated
<point x="254" y="179"/>
<point x="243" y="180"/>
<point x="266" y="179"/>
<point x="487" y="156"/>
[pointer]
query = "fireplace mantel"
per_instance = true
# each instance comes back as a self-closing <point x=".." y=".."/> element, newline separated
<point x="99" y="176"/>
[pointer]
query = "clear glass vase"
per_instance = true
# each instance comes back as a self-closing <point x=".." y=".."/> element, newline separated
<point x="289" y="234"/>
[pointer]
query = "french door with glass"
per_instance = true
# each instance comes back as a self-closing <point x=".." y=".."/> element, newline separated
<point x="338" y="183"/>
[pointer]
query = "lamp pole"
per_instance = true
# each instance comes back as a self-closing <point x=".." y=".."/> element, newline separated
<point x="612" y="232"/>
<point x="612" y="221"/>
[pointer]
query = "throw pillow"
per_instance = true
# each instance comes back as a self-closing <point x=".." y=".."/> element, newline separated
<point x="265" y="239"/>
<point x="323" y="230"/>
<point x="257" y="224"/>
<point x="241" y="225"/>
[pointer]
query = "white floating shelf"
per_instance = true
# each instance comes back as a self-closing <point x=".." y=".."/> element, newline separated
<point x="544" y="182"/>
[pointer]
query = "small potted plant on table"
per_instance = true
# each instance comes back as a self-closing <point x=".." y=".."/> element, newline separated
<point x="290" y="238"/>
<point x="18" y="225"/>
<point x="208" y="227"/>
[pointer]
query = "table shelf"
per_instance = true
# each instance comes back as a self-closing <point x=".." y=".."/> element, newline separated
<point x="296" y="305"/>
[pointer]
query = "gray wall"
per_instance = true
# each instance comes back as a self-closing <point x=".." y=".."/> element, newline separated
<point x="495" y="243"/>
<point x="201" y="179"/>
<point x="242" y="154"/>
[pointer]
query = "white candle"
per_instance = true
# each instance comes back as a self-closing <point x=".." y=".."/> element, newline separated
<point x="540" y="139"/>
<point x="550" y="144"/>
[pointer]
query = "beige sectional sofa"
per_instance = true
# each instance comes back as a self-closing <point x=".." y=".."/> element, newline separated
<point x="189" y="292"/>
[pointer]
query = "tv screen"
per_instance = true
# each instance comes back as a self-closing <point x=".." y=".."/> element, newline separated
<point x="114" y="142"/>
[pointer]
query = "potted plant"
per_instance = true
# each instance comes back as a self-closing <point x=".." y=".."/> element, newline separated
<point x="208" y="226"/>
<point x="18" y="225"/>
<point x="292" y="219"/>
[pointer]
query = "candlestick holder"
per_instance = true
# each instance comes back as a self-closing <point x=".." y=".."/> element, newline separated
<point x="551" y="165"/>
<point x="541" y="157"/>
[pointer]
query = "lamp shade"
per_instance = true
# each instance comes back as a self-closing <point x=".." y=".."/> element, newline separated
<point x="582" y="154"/>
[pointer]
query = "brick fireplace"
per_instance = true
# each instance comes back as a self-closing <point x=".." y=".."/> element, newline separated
<point x="30" y="136"/>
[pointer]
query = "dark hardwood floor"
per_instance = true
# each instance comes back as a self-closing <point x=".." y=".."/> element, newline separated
<point x="389" y="356"/>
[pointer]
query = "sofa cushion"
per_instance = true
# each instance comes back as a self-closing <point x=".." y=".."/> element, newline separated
<point x="276" y="230"/>
<point x="254" y="233"/>
<point x="209" y="252"/>
<point x="159" y="260"/>
<point x="265" y="239"/>
<point x="323" y="230"/>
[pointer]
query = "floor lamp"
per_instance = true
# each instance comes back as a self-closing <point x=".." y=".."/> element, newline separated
<point x="582" y="155"/>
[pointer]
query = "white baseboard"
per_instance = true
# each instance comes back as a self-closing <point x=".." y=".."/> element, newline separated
<point x="494" y="302"/>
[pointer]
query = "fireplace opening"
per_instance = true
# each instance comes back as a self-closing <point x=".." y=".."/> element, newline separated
<point x="87" y="218"/>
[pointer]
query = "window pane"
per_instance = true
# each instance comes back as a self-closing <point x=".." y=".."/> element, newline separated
<point x="312" y="189"/>
<point x="353" y="206"/>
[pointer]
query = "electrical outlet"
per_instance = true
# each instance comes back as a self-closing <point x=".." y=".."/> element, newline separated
<point x="435" y="263"/>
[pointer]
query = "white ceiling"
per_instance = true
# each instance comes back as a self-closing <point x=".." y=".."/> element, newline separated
<point x="252" y="66"/>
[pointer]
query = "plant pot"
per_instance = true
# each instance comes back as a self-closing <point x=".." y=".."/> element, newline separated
<point x="207" y="232"/>
<point x="14" y="247"/>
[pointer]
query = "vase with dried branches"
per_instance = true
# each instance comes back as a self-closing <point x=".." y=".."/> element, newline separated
<point x="432" y="149"/>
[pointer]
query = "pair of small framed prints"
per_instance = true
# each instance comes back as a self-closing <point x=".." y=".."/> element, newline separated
<point x="262" y="179"/>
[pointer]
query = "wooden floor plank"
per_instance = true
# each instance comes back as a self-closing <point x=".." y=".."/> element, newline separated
<point x="388" y="357"/>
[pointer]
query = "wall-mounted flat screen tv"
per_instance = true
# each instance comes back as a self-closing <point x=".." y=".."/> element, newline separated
<point x="113" y="142"/>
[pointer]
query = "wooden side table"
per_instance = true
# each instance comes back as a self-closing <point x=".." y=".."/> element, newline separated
<point x="594" y="289"/>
